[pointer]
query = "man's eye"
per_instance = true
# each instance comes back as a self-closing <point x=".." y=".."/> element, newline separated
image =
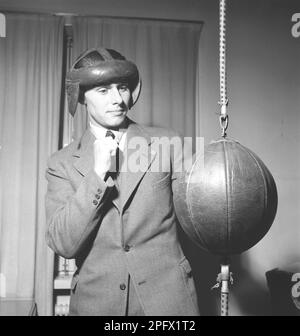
<point x="123" y="88"/>
<point x="102" y="90"/>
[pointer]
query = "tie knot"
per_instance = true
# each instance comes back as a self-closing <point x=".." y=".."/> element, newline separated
<point x="109" y="133"/>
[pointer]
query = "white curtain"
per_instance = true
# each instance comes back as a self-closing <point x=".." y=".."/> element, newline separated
<point x="166" y="54"/>
<point x="30" y="88"/>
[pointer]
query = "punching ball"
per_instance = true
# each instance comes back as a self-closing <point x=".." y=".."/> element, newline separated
<point x="228" y="199"/>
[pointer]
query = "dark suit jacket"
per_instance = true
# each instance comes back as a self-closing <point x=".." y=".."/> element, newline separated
<point x="112" y="234"/>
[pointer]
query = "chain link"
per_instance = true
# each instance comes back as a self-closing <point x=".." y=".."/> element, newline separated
<point x="222" y="67"/>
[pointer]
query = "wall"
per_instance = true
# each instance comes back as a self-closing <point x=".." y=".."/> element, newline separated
<point x="264" y="92"/>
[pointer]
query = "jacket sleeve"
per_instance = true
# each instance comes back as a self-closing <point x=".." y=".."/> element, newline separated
<point x="72" y="215"/>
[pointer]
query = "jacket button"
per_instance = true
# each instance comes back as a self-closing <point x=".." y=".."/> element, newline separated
<point x="99" y="191"/>
<point x="95" y="202"/>
<point x="97" y="196"/>
<point x="127" y="248"/>
<point x="122" y="286"/>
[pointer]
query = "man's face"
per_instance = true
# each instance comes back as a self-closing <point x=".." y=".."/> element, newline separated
<point x="108" y="105"/>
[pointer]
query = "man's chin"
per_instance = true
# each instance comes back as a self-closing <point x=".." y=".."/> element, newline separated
<point x="117" y="122"/>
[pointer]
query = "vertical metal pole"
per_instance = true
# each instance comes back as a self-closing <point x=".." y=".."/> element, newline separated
<point x="225" y="278"/>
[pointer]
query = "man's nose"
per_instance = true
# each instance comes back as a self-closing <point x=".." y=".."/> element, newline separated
<point x="115" y="96"/>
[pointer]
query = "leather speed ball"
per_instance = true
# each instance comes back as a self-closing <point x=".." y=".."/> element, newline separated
<point x="227" y="200"/>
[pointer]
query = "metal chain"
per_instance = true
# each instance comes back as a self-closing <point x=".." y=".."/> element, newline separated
<point x="222" y="67"/>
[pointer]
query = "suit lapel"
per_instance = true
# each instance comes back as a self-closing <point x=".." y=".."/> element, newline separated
<point x="84" y="158"/>
<point x="84" y="154"/>
<point x="137" y="149"/>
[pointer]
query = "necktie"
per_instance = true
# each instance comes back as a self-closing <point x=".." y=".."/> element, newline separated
<point x="109" y="133"/>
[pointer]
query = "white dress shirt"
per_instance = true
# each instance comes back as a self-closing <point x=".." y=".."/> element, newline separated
<point x="100" y="133"/>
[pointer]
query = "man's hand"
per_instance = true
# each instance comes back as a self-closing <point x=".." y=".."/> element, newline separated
<point x="105" y="156"/>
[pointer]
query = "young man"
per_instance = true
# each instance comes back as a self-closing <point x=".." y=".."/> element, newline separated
<point x="118" y="223"/>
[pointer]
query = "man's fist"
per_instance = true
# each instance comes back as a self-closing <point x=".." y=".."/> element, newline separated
<point x="105" y="156"/>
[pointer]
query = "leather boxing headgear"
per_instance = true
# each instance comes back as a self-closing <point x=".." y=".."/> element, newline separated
<point x="100" y="66"/>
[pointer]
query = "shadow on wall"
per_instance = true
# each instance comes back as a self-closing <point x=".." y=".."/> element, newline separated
<point x="247" y="296"/>
<point x="284" y="285"/>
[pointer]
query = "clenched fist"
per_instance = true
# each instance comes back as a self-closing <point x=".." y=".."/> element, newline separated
<point x="105" y="156"/>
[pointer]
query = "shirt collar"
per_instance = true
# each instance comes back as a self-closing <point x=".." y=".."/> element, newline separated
<point x="100" y="132"/>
